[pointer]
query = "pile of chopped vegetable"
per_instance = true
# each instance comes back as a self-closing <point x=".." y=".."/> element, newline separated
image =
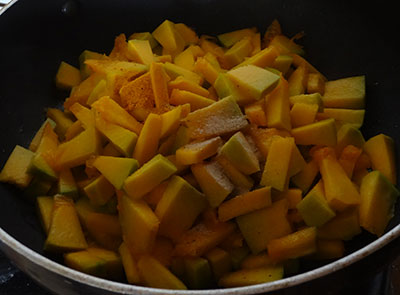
<point x="182" y="161"/>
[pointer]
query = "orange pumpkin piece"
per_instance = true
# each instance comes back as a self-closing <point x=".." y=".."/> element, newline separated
<point x="64" y="236"/>
<point x="295" y="245"/>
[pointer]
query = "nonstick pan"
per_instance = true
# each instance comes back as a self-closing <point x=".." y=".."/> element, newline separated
<point x="342" y="38"/>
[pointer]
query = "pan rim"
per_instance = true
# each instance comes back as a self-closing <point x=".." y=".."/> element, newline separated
<point x="10" y="244"/>
<point x="7" y="241"/>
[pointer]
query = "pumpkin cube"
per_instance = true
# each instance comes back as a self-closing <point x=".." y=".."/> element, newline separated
<point x="175" y="71"/>
<point x="179" y="97"/>
<point x="315" y="83"/>
<point x="343" y="116"/>
<point x="277" y="109"/>
<point x="140" y="51"/>
<point x="139" y="224"/>
<point x="224" y="87"/>
<point x="99" y="191"/>
<point x="144" y="36"/>
<point x="303" y="114"/>
<point x="380" y="150"/>
<point x="261" y="226"/>
<point x="318" y="133"/>
<point x="197" y="272"/>
<point x="245" y="203"/>
<point x="262" y="59"/>
<point x="253" y="276"/>
<point x="240" y="180"/>
<point x="253" y="81"/>
<point x="67" y="76"/>
<point x="314" y="208"/>
<point x="282" y="63"/>
<point x="347" y="93"/>
<point x="105" y="229"/>
<point x="129" y="264"/>
<point x="276" y="170"/>
<point x="197" y="151"/>
<point x="64" y="236"/>
<point x="168" y="37"/>
<point x="298" y="81"/>
<point x="314" y="98"/>
<point x="239" y="152"/>
<point x="237" y="53"/>
<point x="115" y="169"/>
<point x="230" y="38"/>
<point x="305" y="177"/>
<point x="185" y="84"/>
<point x="219" y="261"/>
<point x="202" y="238"/>
<point x="178" y="208"/>
<point x="378" y="196"/>
<point x="344" y="226"/>
<point x="213" y="182"/>
<point x="148" y="176"/>
<point x="45" y="211"/>
<point x="66" y="184"/>
<point x="63" y="122"/>
<point x="221" y="117"/>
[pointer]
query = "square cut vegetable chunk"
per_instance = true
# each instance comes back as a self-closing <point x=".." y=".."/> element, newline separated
<point x="148" y="176"/>
<point x="16" y="167"/>
<point x="345" y="93"/>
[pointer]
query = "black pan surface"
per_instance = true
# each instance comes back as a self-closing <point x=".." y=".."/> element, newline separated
<point x="343" y="38"/>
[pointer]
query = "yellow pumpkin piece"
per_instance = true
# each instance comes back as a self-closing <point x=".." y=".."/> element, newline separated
<point x="314" y="98"/>
<point x="64" y="236"/>
<point x="207" y="69"/>
<point x="298" y="81"/>
<point x="156" y="275"/>
<point x="67" y="76"/>
<point x="85" y="55"/>
<point x="245" y="203"/>
<point x="240" y="180"/>
<point x="297" y="162"/>
<point x="294" y="245"/>
<point x="286" y="45"/>
<point x="315" y="83"/>
<point x="83" y="114"/>
<point x="314" y="208"/>
<point x="115" y="114"/>
<point x="378" y="197"/>
<point x="129" y="264"/>
<point x="180" y="97"/>
<point x="169" y="38"/>
<point x="120" y="47"/>
<point x="277" y="107"/>
<point x="144" y="36"/>
<point x="152" y="198"/>
<point x="276" y="170"/>
<point x="347" y="93"/>
<point x="221" y="117"/>
<point x="38" y="135"/>
<point x="261" y="226"/>
<point x="99" y="191"/>
<point x="380" y="150"/>
<point x="339" y="190"/>
<point x="197" y="273"/>
<point x="282" y="63"/>
<point x="292" y="195"/>
<point x="230" y="38"/>
<point x="179" y="207"/>
<point x="147" y="142"/>
<point x="175" y="71"/>
<point x="298" y="61"/>
<point x="255" y="113"/>
<point x="347" y="134"/>
<point x="45" y="211"/>
<point x="76" y="151"/>
<point x="162" y="251"/>
<point x="329" y="249"/>
<point x="305" y="178"/>
<point x="343" y="116"/>
<point x="113" y="263"/>
<point x="224" y="87"/>
<point x="253" y="81"/>
<point x="16" y="167"/>
<point x="318" y="133"/>
<point x="123" y="140"/>
<point x="272" y="30"/>
<point x="105" y="229"/>
<point x="262" y="59"/>
<point x="348" y="159"/>
<point x="198" y="151"/>
<point x="239" y="152"/>
<point x="263" y="137"/>
<point x="186" y="59"/>
<point x="303" y="114"/>
<point x="115" y="169"/>
<point x="219" y="261"/>
<point x="343" y="227"/>
<point x="187" y="33"/>
<point x="201" y="238"/>
<point x="73" y="130"/>
<point x="171" y="120"/>
<point x="159" y="85"/>
<point x="100" y="90"/>
<point x="253" y="276"/>
<point x="185" y="84"/>
<point x="237" y="53"/>
<point x="139" y="224"/>
<point x="148" y="177"/>
<point x="61" y="120"/>
<point x="209" y="46"/>
<point x="66" y="184"/>
<point x="86" y="262"/>
<point x="140" y="51"/>
<point x="213" y="182"/>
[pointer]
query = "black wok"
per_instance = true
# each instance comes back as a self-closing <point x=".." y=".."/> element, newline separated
<point x="343" y="38"/>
